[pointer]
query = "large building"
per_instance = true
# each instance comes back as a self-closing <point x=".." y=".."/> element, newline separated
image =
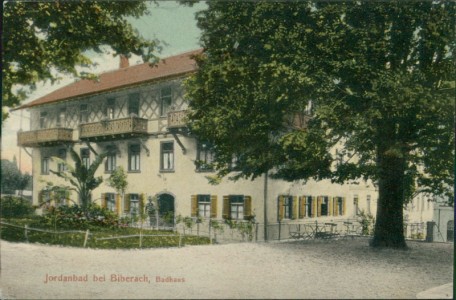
<point x="137" y="115"/>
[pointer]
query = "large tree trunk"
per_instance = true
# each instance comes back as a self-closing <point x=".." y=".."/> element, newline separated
<point x="389" y="226"/>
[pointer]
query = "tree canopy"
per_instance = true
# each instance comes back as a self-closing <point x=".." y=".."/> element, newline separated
<point x="44" y="39"/>
<point x="12" y="178"/>
<point x="376" y="77"/>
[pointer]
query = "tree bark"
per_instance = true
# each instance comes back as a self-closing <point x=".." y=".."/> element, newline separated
<point x="389" y="226"/>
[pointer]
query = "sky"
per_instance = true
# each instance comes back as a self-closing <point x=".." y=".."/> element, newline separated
<point x="169" y="22"/>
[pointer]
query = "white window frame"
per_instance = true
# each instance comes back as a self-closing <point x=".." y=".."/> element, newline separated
<point x="204" y="206"/>
<point x="134" y="158"/>
<point x="85" y="157"/>
<point x="167" y="161"/>
<point x="45" y="166"/>
<point x="166" y="98"/>
<point x="237" y="207"/>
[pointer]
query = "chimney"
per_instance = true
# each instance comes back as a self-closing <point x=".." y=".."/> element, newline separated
<point x="123" y="62"/>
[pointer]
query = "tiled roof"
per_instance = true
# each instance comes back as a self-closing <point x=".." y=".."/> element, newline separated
<point x="168" y="67"/>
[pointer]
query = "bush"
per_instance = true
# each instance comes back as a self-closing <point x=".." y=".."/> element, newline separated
<point x="73" y="217"/>
<point x="13" y="207"/>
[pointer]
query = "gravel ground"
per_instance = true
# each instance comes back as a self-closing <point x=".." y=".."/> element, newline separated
<point x="306" y="270"/>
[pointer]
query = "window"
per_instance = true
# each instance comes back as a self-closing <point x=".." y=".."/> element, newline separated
<point x="44" y="196"/>
<point x="204" y="157"/>
<point x="133" y="105"/>
<point x="339" y="206"/>
<point x="324" y="206"/>
<point x="134" y="203"/>
<point x="134" y="155"/>
<point x="110" y="199"/>
<point x="165" y="101"/>
<point x="45" y="166"/>
<point x="305" y="207"/>
<point x="43" y="120"/>
<point x="204" y="205"/>
<point x="61" y="196"/>
<point x="237" y="207"/>
<point x="355" y="203"/>
<point x="85" y="157"/>
<point x="167" y="156"/>
<point x="110" y="164"/>
<point x="286" y="203"/>
<point x="61" y="167"/>
<point x="109" y="113"/>
<point x="61" y="117"/>
<point x="83" y="113"/>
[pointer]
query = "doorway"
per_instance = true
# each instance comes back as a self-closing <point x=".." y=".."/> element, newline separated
<point x="166" y="210"/>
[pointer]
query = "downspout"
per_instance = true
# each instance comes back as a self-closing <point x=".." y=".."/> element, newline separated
<point x="265" y="202"/>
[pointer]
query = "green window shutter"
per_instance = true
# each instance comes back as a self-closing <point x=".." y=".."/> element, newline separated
<point x="247" y="207"/>
<point x="103" y="201"/>
<point x="194" y="204"/>
<point x="330" y="206"/>
<point x="280" y="209"/>
<point x="319" y="198"/>
<point x="314" y="207"/>
<point x="302" y="207"/>
<point x="343" y="206"/>
<point x="226" y="214"/>
<point x="213" y="206"/>
<point x="127" y="203"/>
<point x="295" y="207"/>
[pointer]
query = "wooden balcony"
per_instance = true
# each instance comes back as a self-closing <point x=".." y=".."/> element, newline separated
<point x="44" y="137"/>
<point x="297" y="120"/>
<point x="113" y="129"/>
<point x="177" y="119"/>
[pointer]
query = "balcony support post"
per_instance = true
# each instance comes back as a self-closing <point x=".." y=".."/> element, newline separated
<point x="91" y="148"/>
<point x="145" y="147"/>
<point x="26" y="151"/>
<point x="179" y="142"/>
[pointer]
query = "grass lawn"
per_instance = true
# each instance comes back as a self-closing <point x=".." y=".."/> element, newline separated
<point x="159" y="239"/>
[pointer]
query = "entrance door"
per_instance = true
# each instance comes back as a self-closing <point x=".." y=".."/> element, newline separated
<point x="166" y="210"/>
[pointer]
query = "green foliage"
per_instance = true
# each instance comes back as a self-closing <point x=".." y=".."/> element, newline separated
<point x="245" y="228"/>
<point x="45" y="39"/>
<point x="14" y="207"/>
<point x="216" y="225"/>
<point x="380" y="76"/>
<point x="12" y="179"/>
<point x="367" y="222"/>
<point x="75" y="217"/>
<point x="118" y="180"/>
<point x="76" y="239"/>
<point x="80" y="177"/>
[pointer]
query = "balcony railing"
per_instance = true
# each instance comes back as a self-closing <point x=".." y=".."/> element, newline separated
<point x="105" y="129"/>
<point x="41" y="137"/>
<point x="297" y="120"/>
<point x="177" y="119"/>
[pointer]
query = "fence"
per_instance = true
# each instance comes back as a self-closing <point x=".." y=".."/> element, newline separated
<point x="87" y="235"/>
<point x="222" y="231"/>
